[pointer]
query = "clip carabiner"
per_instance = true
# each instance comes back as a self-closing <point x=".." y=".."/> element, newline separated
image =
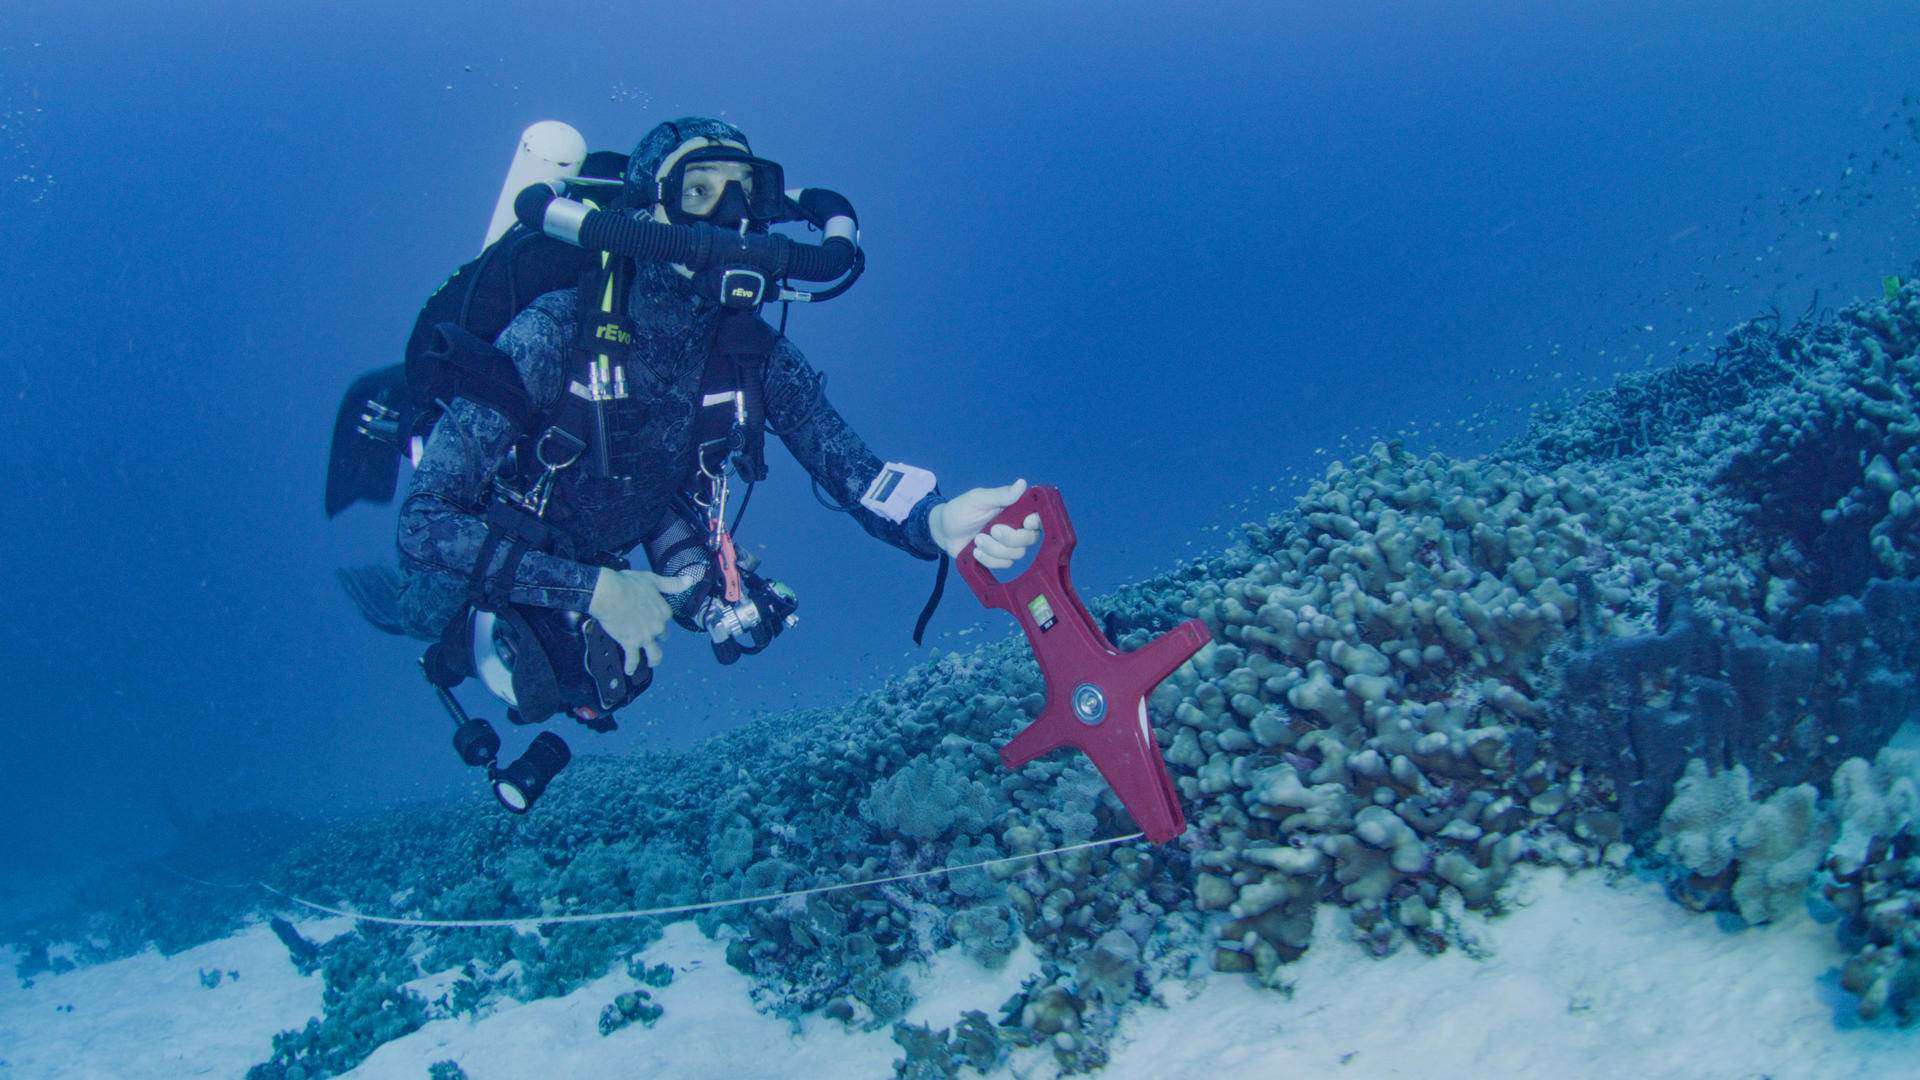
<point x="542" y="489"/>
<point x="567" y="438"/>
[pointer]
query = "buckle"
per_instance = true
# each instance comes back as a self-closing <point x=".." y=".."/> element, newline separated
<point x="571" y="448"/>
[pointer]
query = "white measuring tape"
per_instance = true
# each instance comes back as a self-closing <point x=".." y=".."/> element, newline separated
<point x="676" y="909"/>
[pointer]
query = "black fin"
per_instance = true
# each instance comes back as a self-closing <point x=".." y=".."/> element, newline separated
<point x="375" y="590"/>
<point x="360" y="466"/>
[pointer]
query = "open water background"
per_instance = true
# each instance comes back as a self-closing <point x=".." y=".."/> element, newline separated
<point x="1171" y="260"/>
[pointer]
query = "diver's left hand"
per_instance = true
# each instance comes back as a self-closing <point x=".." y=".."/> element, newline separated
<point x="958" y="521"/>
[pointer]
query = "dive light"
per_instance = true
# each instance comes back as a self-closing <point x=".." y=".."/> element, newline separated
<point x="476" y="742"/>
<point x="518" y="785"/>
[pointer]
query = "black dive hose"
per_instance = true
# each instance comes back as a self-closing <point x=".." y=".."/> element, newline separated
<point x="636" y="235"/>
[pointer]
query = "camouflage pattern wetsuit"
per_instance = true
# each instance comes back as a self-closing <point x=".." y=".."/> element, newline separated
<point x="442" y="529"/>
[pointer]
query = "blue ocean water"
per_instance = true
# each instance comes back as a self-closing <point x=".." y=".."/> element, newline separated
<point x="1173" y="261"/>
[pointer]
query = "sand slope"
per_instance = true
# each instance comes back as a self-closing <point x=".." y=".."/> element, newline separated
<point x="1583" y="979"/>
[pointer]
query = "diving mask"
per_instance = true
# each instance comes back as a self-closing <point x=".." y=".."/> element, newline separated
<point x="721" y="185"/>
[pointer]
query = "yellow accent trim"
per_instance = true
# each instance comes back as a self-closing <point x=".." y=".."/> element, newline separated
<point x="604" y="362"/>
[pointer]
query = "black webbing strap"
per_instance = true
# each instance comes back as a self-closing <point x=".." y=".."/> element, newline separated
<point x="742" y="346"/>
<point x="449" y="660"/>
<point x="536" y="681"/>
<point x="601" y="331"/>
<point x="477" y="577"/>
<point x="521" y="532"/>
<point x="926" y="613"/>
<point x="462" y="365"/>
<point x="600" y="420"/>
<point x="716" y="422"/>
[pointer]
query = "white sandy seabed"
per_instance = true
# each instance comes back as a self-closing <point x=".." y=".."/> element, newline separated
<point x="1581" y="979"/>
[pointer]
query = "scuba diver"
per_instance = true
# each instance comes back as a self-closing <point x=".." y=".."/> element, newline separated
<point x="609" y="418"/>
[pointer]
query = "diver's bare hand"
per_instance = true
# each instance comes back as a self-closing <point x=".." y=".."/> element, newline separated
<point x="631" y="606"/>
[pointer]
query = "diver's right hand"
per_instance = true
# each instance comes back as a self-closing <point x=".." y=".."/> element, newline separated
<point x="632" y="609"/>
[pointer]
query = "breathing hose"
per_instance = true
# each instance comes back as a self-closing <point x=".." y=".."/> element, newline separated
<point x="635" y="234"/>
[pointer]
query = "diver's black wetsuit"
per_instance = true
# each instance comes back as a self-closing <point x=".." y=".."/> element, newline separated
<point x="441" y="527"/>
<point x="442" y="531"/>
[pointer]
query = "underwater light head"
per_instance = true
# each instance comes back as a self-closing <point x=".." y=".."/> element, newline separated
<point x="476" y="742"/>
<point x="520" y="785"/>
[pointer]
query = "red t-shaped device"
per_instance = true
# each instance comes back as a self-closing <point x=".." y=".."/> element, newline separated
<point x="1096" y="694"/>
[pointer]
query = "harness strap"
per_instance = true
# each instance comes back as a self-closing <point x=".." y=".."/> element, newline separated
<point x="722" y="422"/>
<point x="459" y="364"/>
<point x="536" y="678"/>
<point x="742" y="346"/>
<point x="721" y="419"/>
<point x="478" y="581"/>
<point x="520" y="532"/>
<point x="603" y="343"/>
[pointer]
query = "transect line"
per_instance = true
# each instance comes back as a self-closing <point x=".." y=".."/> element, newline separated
<point x="676" y="909"/>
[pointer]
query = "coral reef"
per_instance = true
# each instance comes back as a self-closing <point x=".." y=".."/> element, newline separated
<point x="366" y="1006"/>
<point x="1871" y="881"/>
<point x="1679" y="614"/>
<point x="1762" y="856"/>
<point x="305" y="954"/>
<point x="941" y="1055"/>
<point x="930" y="798"/>
<point x="1859" y="853"/>
<point x="1835" y="683"/>
<point x="632" y="1006"/>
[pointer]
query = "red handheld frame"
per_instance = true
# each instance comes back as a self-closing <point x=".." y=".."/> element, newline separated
<point x="1096" y="694"/>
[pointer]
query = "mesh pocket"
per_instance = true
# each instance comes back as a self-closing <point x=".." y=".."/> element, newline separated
<point x="677" y="548"/>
